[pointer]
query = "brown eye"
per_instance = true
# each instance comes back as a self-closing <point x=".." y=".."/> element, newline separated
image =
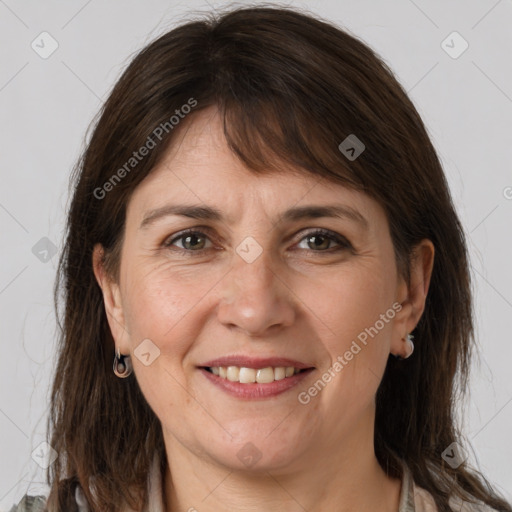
<point x="193" y="242"/>
<point x="190" y="241"/>
<point x="321" y="240"/>
<point x="318" y="242"/>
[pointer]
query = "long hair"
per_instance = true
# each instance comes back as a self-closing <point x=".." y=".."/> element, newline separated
<point x="290" y="88"/>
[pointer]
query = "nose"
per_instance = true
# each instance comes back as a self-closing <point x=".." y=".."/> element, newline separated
<point x="255" y="299"/>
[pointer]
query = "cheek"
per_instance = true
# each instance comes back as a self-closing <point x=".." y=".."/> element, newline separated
<point x="158" y="301"/>
<point x="358" y="306"/>
<point x="169" y="307"/>
<point x="352" y="300"/>
<point x="161" y="306"/>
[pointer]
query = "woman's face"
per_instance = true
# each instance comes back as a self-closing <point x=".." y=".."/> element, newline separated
<point x="255" y="287"/>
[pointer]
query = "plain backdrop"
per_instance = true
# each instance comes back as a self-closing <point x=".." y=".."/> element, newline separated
<point x="46" y="105"/>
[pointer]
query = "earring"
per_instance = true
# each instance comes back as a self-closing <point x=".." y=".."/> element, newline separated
<point x="410" y="339"/>
<point x="122" y="365"/>
<point x="410" y="347"/>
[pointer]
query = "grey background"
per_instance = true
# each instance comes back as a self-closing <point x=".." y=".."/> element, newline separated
<point x="46" y="106"/>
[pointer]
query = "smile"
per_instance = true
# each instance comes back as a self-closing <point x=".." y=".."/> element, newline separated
<point x="252" y="388"/>
<point x="250" y="375"/>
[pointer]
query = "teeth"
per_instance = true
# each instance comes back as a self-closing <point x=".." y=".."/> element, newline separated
<point x="233" y="373"/>
<point x="247" y="375"/>
<point x="251" y="375"/>
<point x="265" y="375"/>
<point x="279" y="373"/>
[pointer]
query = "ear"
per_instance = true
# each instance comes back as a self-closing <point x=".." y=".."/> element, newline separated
<point x="112" y="300"/>
<point x="412" y="296"/>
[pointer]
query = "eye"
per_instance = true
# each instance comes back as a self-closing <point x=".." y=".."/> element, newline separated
<point x="192" y="240"/>
<point x="320" y="240"/>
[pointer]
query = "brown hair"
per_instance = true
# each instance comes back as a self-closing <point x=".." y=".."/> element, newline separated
<point x="290" y="88"/>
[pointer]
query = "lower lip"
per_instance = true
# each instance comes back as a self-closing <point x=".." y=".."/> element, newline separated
<point x="255" y="390"/>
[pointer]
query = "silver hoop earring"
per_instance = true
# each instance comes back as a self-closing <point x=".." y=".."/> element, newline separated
<point x="122" y="365"/>
<point x="410" y="342"/>
<point x="410" y="348"/>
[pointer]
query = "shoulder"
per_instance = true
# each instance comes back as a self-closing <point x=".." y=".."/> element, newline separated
<point x="424" y="502"/>
<point x="30" y="504"/>
<point x="416" y="499"/>
<point x="459" y="505"/>
<point x="76" y="502"/>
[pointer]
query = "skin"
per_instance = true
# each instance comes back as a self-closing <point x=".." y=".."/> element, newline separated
<point x="294" y="300"/>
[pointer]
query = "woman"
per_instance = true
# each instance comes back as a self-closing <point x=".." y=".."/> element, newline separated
<point x="262" y="237"/>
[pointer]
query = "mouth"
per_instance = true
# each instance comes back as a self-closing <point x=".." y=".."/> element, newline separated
<point x="249" y="378"/>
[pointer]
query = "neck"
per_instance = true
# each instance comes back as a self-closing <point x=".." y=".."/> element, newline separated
<point x="346" y="479"/>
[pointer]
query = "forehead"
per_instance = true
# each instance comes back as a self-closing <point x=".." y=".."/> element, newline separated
<point x="201" y="148"/>
<point x="199" y="167"/>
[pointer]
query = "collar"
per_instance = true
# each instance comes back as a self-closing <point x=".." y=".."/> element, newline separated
<point x="406" y="503"/>
<point x="155" y="487"/>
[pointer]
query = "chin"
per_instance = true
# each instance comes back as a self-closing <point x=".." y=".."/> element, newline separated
<point x="258" y="446"/>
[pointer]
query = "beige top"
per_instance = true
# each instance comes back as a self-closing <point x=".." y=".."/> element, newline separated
<point x="412" y="497"/>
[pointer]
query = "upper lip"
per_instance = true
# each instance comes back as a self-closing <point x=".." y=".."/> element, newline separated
<point x="255" y="362"/>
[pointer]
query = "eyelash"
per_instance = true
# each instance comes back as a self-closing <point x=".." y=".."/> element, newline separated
<point x="342" y="242"/>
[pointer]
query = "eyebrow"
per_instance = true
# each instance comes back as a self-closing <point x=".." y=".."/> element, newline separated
<point x="290" y="215"/>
